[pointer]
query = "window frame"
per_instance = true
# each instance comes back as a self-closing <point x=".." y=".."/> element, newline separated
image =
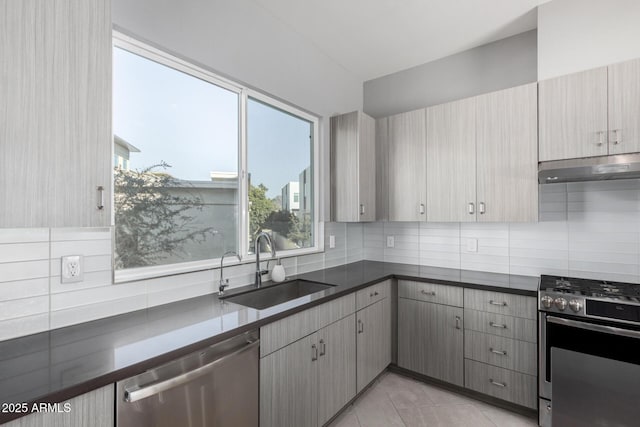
<point x="143" y="49"/>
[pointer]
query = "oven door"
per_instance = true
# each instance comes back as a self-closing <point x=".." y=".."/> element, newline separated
<point x="594" y="372"/>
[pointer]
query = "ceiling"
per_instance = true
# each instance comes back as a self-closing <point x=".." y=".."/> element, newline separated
<point x="373" y="38"/>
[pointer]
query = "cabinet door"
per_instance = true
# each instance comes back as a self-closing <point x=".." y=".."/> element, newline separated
<point x="374" y="341"/>
<point x="430" y="340"/>
<point x="95" y="408"/>
<point x="55" y="132"/>
<point x="624" y="107"/>
<point x="407" y="169"/>
<point x="507" y="177"/>
<point x="344" y="167"/>
<point x="367" y="169"/>
<point x="573" y="115"/>
<point x="288" y="385"/>
<point x="336" y="367"/>
<point x="382" y="169"/>
<point x="451" y="161"/>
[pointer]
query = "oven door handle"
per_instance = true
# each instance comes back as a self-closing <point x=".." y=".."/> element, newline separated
<point x="594" y="327"/>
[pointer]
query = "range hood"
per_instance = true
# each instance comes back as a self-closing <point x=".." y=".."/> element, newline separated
<point x="621" y="166"/>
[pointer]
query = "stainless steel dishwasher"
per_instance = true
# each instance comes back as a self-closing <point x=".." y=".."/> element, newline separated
<point x="215" y="387"/>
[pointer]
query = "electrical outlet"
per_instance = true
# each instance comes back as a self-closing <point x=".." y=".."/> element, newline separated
<point x="391" y="241"/>
<point x="332" y="241"/>
<point x="71" y="270"/>
<point x="472" y="245"/>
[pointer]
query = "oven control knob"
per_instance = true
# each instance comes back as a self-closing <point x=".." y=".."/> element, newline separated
<point x="547" y="301"/>
<point x="575" y="305"/>
<point x="561" y="303"/>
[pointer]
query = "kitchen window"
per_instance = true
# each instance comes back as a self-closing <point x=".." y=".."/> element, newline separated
<point x="201" y="165"/>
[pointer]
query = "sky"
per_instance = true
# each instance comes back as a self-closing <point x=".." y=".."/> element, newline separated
<point x="192" y="125"/>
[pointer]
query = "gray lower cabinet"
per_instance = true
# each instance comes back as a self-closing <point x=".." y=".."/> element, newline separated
<point x="95" y="409"/>
<point x="431" y="339"/>
<point x="373" y="341"/>
<point x="502" y="383"/>
<point x="308" y="381"/>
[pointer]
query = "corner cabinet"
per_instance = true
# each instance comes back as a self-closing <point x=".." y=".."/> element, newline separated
<point x="407" y="172"/>
<point x="55" y="135"/>
<point x="430" y="334"/>
<point x="591" y="113"/>
<point x="353" y="166"/>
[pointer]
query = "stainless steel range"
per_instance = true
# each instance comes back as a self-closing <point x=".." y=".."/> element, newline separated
<point x="589" y="352"/>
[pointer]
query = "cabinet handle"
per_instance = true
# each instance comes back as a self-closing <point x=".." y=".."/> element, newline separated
<point x="472" y="208"/>
<point x="361" y="209"/>
<point x="314" y="352"/>
<point x="500" y="352"/>
<point x="323" y="348"/>
<point x="501" y="304"/>
<point x="496" y="383"/>
<point x="481" y="208"/>
<point x="430" y="293"/>
<point x="600" y="135"/>
<point x="374" y="294"/>
<point x="100" y="197"/>
<point x="360" y="327"/>
<point x="497" y="325"/>
<point x="457" y="322"/>
<point x="616" y="137"/>
<point x="422" y="209"/>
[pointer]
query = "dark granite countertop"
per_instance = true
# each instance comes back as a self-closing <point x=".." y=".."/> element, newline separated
<point x="60" y="364"/>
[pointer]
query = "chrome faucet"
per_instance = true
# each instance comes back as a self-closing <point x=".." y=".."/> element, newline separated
<point x="225" y="283"/>
<point x="256" y="249"/>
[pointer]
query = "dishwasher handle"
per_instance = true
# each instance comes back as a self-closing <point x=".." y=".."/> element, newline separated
<point x="132" y="395"/>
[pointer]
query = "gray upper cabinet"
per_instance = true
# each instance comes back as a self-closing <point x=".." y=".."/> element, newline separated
<point x="624" y="107"/>
<point x="353" y="164"/>
<point x="382" y="169"/>
<point x="451" y="161"/>
<point x="407" y="171"/>
<point x="507" y="155"/>
<point x="55" y="132"/>
<point x="573" y="115"/>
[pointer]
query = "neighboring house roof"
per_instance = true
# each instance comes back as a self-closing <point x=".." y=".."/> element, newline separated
<point x="124" y="144"/>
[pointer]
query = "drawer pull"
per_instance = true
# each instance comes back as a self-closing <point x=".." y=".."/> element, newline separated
<point x="500" y="352"/>
<point x="374" y="294"/>
<point x="501" y="304"/>
<point x="431" y="293"/>
<point x="497" y="325"/>
<point x="496" y="383"/>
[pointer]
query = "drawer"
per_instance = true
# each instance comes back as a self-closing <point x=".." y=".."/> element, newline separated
<point x="501" y="383"/>
<point x="439" y="294"/>
<point x="501" y="325"/>
<point x="372" y="294"/>
<point x="283" y="332"/>
<point x="501" y="303"/>
<point x="520" y="356"/>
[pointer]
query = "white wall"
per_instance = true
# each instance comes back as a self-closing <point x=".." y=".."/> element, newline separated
<point x="245" y="42"/>
<point x="576" y="35"/>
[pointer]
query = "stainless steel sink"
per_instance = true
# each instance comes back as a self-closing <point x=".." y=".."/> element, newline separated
<point x="276" y="294"/>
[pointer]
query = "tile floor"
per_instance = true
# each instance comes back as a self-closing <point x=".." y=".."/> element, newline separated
<point x="396" y="400"/>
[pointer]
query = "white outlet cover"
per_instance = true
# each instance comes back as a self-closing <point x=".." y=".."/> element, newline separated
<point x="71" y="270"/>
<point x="332" y="241"/>
<point x="391" y="241"/>
<point x="472" y="245"/>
